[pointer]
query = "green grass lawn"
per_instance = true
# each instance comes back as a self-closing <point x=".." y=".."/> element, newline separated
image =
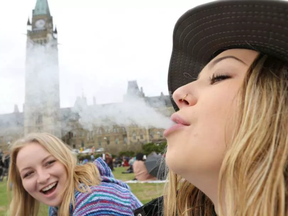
<point x="144" y="191"/>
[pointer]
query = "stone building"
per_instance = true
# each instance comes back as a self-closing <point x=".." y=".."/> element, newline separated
<point x="42" y="112"/>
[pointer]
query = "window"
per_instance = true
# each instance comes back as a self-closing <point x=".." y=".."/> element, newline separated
<point x="39" y="119"/>
<point x="100" y="131"/>
<point x="134" y="135"/>
<point x="151" y="134"/>
<point x="88" y="137"/>
<point x="117" y="141"/>
<point x="99" y="142"/>
<point x="125" y="139"/>
<point x="92" y="135"/>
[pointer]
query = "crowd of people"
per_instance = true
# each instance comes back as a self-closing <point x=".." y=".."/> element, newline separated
<point x="4" y="164"/>
<point x="228" y="150"/>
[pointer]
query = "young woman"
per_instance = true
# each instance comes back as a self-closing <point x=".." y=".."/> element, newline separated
<point x="228" y="79"/>
<point x="44" y="170"/>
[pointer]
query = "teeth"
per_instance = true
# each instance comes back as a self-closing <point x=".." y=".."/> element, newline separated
<point x="48" y="187"/>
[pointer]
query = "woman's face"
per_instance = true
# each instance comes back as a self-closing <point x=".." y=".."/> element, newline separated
<point x="42" y="175"/>
<point x="196" y="145"/>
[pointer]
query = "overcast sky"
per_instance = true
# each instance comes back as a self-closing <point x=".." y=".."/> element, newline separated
<point x="103" y="44"/>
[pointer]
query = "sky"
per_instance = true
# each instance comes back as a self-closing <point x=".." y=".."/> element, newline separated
<point x="102" y="45"/>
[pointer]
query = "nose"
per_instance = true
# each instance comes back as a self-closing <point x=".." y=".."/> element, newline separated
<point x="184" y="97"/>
<point x="43" y="177"/>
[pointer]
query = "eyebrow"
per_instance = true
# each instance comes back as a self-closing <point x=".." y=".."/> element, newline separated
<point x="216" y="61"/>
<point x="30" y="167"/>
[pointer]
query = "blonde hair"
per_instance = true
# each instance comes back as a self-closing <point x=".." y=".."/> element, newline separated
<point x="253" y="176"/>
<point x="22" y="203"/>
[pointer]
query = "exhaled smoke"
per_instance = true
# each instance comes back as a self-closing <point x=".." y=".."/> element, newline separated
<point x="134" y="111"/>
<point x="42" y="104"/>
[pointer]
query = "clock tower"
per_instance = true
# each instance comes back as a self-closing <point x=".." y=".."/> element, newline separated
<point x="42" y="99"/>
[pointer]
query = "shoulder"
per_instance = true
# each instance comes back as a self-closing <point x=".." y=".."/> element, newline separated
<point x="105" y="199"/>
<point x="52" y="211"/>
<point x="139" y="163"/>
<point x="153" y="208"/>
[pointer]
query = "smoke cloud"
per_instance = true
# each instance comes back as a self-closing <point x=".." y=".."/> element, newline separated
<point x="134" y="111"/>
<point x="42" y="91"/>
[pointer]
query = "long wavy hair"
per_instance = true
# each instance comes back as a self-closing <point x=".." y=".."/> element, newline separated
<point x="253" y="178"/>
<point x="22" y="203"/>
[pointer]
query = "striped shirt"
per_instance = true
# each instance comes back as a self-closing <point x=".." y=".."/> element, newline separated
<point x="111" y="197"/>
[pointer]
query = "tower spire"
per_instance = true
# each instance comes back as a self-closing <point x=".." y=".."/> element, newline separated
<point x="41" y="8"/>
<point x="28" y="22"/>
<point x="16" y="109"/>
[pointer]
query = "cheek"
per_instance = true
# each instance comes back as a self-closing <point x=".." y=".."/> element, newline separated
<point x="216" y="127"/>
<point x="201" y="147"/>
<point x="61" y="172"/>
<point x="29" y="186"/>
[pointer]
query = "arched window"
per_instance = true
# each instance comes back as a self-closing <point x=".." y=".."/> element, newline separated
<point x="134" y="135"/>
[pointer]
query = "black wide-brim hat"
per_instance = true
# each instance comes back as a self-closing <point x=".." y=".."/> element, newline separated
<point x="206" y="30"/>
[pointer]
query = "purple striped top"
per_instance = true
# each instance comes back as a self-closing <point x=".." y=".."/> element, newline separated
<point x="111" y="197"/>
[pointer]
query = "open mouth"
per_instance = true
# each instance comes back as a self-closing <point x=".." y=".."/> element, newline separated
<point x="49" y="189"/>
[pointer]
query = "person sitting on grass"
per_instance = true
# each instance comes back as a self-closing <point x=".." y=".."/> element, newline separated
<point x="44" y="170"/>
<point x="140" y="170"/>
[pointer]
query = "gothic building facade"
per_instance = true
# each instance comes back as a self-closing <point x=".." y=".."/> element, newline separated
<point x="42" y="112"/>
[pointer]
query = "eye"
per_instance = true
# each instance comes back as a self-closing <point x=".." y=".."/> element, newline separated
<point x="217" y="78"/>
<point x="50" y="162"/>
<point x="28" y="174"/>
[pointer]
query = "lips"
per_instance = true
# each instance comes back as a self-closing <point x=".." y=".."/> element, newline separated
<point x="178" y="120"/>
<point x="48" y="187"/>
<point x="180" y="123"/>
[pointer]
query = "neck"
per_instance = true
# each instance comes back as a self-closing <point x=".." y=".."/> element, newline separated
<point x="208" y="185"/>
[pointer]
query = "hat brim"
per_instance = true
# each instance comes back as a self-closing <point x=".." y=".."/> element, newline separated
<point x="205" y="31"/>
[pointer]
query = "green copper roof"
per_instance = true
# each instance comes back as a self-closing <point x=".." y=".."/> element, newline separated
<point x="41" y="8"/>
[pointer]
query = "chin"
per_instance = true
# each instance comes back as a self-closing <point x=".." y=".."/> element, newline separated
<point x="171" y="160"/>
<point x="53" y="204"/>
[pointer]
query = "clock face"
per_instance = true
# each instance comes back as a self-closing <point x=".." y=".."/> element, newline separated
<point x="40" y="23"/>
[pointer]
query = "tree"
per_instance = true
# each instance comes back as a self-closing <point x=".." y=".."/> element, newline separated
<point x="154" y="147"/>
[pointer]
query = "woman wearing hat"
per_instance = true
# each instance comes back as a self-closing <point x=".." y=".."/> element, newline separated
<point x="228" y="150"/>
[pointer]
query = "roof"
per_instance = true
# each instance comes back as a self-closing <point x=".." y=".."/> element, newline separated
<point x="41" y="8"/>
